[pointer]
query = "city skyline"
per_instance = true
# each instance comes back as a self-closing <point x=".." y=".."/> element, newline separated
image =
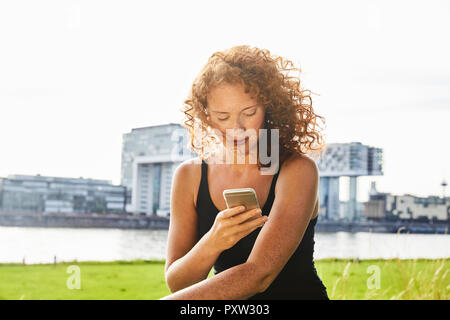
<point x="150" y="155"/>
<point x="80" y="77"/>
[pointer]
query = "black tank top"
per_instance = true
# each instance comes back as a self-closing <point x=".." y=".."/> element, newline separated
<point x="297" y="280"/>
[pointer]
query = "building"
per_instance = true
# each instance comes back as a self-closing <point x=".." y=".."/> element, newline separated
<point x="375" y="208"/>
<point x="384" y="206"/>
<point x="343" y="210"/>
<point x="27" y="193"/>
<point x="340" y="160"/>
<point x="329" y="198"/>
<point x="150" y="155"/>
<point x="408" y="206"/>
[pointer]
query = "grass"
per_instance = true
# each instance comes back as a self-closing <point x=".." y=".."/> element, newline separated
<point x="99" y="280"/>
<point x="398" y="279"/>
<point x="344" y="279"/>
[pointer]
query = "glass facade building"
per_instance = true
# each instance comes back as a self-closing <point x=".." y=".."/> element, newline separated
<point x="150" y="156"/>
<point x="345" y="160"/>
<point x="26" y="193"/>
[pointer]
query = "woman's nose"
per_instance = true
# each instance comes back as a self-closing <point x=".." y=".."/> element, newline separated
<point x="239" y="123"/>
<point x="238" y="128"/>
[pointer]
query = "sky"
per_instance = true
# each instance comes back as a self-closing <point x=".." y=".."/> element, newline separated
<point x="76" y="75"/>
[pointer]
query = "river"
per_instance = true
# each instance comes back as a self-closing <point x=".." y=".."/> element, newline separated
<point x="42" y="245"/>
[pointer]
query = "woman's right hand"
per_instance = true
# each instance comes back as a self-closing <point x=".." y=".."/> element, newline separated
<point x="233" y="224"/>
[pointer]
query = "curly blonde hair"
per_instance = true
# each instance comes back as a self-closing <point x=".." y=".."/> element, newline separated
<point x="287" y="106"/>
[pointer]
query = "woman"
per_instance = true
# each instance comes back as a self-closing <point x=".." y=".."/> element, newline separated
<point x="256" y="255"/>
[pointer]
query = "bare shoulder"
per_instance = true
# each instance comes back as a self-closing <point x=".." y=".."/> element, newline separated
<point x="189" y="166"/>
<point x="188" y="175"/>
<point x="297" y="164"/>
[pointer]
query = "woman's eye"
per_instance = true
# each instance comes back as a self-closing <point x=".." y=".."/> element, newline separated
<point x="247" y="115"/>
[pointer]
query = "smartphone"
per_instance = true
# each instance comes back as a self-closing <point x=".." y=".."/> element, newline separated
<point x="244" y="196"/>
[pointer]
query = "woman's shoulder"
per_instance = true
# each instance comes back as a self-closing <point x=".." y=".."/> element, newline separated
<point x="297" y="168"/>
<point x="189" y="169"/>
<point x="189" y="175"/>
<point x="298" y="161"/>
<point x="189" y="165"/>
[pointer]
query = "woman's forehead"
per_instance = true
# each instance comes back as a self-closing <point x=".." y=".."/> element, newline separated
<point x="229" y="98"/>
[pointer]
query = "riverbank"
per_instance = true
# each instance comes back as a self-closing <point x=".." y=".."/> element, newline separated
<point x="124" y="221"/>
<point x="61" y="220"/>
<point x="344" y="279"/>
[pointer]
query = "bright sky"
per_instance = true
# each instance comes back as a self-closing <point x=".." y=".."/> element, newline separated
<point x="76" y="75"/>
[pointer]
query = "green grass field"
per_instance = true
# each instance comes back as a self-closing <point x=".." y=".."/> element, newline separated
<point x="344" y="279"/>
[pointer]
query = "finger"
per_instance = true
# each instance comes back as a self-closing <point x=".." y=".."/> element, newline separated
<point x="227" y="213"/>
<point x="240" y="218"/>
<point x="250" y="224"/>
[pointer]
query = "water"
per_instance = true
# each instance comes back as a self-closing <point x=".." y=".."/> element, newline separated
<point x="41" y="245"/>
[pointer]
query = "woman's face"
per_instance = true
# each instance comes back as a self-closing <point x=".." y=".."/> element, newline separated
<point x="233" y="112"/>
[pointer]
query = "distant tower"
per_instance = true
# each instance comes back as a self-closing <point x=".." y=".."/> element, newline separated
<point x="443" y="184"/>
<point x="373" y="188"/>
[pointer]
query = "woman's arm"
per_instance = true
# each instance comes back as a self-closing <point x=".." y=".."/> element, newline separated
<point x="237" y="283"/>
<point x="187" y="262"/>
<point x="295" y="199"/>
<point x="192" y="267"/>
